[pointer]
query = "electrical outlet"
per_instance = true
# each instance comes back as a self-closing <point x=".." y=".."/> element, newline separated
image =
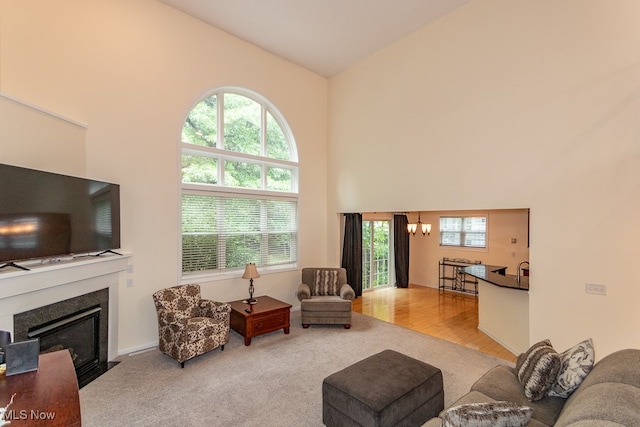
<point x="592" y="288"/>
<point x="130" y="268"/>
<point x="129" y="283"/>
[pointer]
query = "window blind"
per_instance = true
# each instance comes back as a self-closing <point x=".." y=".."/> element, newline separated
<point x="221" y="232"/>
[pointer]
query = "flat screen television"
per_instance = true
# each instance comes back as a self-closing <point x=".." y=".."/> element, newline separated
<point x="44" y="215"/>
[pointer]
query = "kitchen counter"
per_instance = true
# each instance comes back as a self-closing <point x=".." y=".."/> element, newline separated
<point x="503" y="309"/>
<point x="496" y="275"/>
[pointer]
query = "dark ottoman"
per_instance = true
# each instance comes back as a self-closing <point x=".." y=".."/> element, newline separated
<point x="386" y="389"/>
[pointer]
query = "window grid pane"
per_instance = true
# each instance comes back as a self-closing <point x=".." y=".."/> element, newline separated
<point x="199" y="169"/>
<point x="468" y="232"/>
<point x="242" y="175"/>
<point x="201" y="127"/>
<point x="366" y="254"/>
<point x="277" y="145"/>
<point x="242" y="124"/>
<point x="279" y="179"/>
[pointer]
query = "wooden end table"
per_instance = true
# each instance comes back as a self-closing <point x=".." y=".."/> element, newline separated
<point x="267" y="315"/>
<point x="46" y="397"/>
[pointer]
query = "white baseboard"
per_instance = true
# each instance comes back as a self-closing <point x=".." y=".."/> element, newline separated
<point x="498" y="341"/>
<point x="137" y="349"/>
<point x="132" y="351"/>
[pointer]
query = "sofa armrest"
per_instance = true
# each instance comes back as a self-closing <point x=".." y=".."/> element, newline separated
<point x="501" y="383"/>
<point x="304" y="291"/>
<point x="347" y="292"/>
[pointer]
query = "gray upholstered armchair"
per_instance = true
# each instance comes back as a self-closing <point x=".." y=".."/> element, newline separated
<point x="188" y="325"/>
<point x="325" y="297"/>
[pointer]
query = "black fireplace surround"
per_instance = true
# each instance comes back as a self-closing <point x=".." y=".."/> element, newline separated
<point x="79" y="324"/>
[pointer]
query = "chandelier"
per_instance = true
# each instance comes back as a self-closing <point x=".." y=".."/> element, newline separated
<point x="413" y="227"/>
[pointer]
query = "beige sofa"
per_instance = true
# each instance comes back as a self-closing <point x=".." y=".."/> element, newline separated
<point x="609" y="395"/>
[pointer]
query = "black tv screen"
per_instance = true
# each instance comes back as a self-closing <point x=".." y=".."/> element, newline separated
<point x="44" y="214"/>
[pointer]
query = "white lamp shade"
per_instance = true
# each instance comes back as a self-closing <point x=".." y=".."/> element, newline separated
<point x="426" y="228"/>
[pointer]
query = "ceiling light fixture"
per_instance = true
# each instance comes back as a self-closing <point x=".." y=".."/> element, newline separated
<point x="413" y="227"/>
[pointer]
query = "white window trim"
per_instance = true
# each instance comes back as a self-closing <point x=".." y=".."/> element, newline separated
<point x="465" y="248"/>
<point x="220" y="189"/>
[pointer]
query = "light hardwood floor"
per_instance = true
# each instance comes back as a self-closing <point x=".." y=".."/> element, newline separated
<point x="451" y="316"/>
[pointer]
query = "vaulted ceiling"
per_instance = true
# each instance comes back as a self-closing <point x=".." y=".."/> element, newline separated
<point x="325" y="36"/>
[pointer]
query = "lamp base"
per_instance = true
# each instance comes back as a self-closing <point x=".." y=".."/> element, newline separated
<point x="251" y="299"/>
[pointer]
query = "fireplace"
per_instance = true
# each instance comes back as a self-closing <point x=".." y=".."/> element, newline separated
<point x="79" y="325"/>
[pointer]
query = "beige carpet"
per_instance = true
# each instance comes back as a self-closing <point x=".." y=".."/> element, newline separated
<point x="277" y="381"/>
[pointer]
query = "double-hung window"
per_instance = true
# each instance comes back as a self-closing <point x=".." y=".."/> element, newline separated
<point x="463" y="231"/>
<point x="239" y="185"/>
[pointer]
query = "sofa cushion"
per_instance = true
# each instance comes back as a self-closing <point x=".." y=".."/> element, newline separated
<point x="326" y="282"/>
<point x="489" y="414"/>
<point x="576" y="363"/>
<point x="200" y="328"/>
<point x="537" y="369"/>
<point x="602" y="405"/>
<point x="326" y="304"/>
<point x="501" y="383"/>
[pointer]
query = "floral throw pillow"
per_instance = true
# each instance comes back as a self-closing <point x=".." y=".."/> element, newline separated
<point x="537" y="370"/>
<point x="575" y="364"/>
<point x="491" y="414"/>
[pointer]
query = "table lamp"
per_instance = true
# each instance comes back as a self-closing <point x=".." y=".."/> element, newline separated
<point x="250" y="272"/>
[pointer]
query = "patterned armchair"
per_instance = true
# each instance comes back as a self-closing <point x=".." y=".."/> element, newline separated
<point x="325" y="297"/>
<point x="188" y="325"/>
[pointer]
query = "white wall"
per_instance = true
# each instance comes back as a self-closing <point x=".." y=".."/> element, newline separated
<point x="506" y="104"/>
<point x="39" y="139"/>
<point x="131" y="70"/>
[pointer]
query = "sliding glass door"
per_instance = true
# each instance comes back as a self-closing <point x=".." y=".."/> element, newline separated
<point x="375" y="254"/>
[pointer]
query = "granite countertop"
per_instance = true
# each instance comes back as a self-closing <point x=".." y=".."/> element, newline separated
<point x="495" y="275"/>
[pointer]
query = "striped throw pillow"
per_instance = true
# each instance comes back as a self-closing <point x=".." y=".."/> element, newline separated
<point x="326" y="282"/>
<point x="537" y="370"/>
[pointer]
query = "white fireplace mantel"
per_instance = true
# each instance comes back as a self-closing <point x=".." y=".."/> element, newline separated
<point x="45" y="284"/>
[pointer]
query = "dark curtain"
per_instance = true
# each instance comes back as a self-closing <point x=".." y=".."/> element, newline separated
<point x="352" y="251"/>
<point x="401" y="244"/>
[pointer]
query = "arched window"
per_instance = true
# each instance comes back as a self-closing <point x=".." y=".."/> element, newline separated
<point x="239" y="184"/>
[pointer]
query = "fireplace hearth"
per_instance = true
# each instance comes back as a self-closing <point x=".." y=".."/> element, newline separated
<point x="79" y="325"/>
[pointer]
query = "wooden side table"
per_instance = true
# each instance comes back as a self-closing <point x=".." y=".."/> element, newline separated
<point x="46" y="397"/>
<point x="267" y="315"/>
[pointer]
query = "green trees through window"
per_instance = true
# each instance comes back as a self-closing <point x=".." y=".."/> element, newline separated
<point x="239" y="184"/>
<point x="375" y="254"/>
